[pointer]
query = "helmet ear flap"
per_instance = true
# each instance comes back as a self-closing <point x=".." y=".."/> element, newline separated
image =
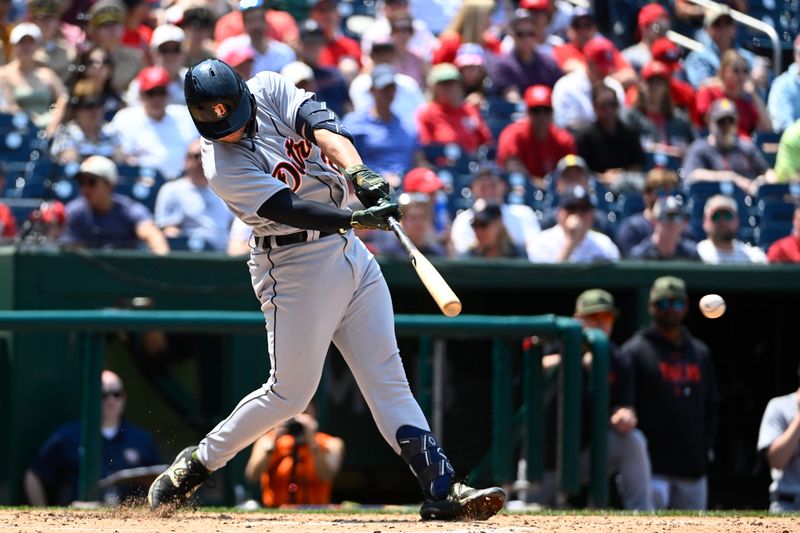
<point x="252" y="125"/>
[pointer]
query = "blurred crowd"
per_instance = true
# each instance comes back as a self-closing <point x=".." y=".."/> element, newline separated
<point x="526" y="129"/>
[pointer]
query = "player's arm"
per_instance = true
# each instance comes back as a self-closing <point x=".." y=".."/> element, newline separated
<point x="321" y="126"/>
<point x="287" y="208"/>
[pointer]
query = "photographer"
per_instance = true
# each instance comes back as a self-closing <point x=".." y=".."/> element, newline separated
<point x="294" y="463"/>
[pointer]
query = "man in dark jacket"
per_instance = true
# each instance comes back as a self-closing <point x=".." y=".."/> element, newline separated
<point x="675" y="399"/>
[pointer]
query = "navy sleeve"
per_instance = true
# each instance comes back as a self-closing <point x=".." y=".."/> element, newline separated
<point x="621" y="389"/>
<point x="51" y="458"/>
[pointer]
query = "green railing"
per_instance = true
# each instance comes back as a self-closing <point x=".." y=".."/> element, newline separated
<point x="504" y="331"/>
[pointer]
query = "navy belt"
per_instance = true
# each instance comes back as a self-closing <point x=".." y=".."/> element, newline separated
<point x="786" y="497"/>
<point x="265" y="242"/>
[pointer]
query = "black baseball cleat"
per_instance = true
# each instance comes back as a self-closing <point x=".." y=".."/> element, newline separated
<point x="178" y="482"/>
<point x="465" y="503"/>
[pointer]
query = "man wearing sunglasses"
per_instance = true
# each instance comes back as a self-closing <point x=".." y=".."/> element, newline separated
<point x="721" y="224"/>
<point x="572" y="239"/>
<point x="99" y="218"/>
<point x="52" y="478"/>
<point x="675" y="399"/>
<point x="166" y="51"/>
<point x="668" y="240"/>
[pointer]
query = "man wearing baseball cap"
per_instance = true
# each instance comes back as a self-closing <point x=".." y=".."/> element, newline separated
<point x="668" y="242"/>
<point x="652" y="23"/>
<point x="513" y="72"/>
<point x="165" y="49"/>
<point x="379" y="136"/>
<point x="572" y="171"/>
<point x="572" y="94"/>
<point x="572" y="240"/>
<point x="719" y="36"/>
<point x="331" y="86"/>
<point x="723" y="155"/>
<point x="155" y="133"/>
<point x="447" y="118"/>
<point x="105" y="29"/>
<point x="721" y="224"/>
<point x="783" y="103"/>
<point x="533" y="145"/>
<point x="676" y="398"/>
<point x="100" y="218"/>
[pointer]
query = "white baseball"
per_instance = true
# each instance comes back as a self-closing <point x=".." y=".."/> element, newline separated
<point x="712" y="306"/>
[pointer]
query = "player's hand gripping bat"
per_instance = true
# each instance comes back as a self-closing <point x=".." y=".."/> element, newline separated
<point x="442" y="294"/>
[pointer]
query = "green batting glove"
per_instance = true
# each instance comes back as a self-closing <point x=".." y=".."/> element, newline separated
<point x="375" y="217"/>
<point x="370" y="187"/>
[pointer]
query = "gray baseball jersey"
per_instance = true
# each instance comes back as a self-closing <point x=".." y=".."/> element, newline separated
<point x="778" y="415"/>
<point x="311" y="293"/>
<point x="247" y="173"/>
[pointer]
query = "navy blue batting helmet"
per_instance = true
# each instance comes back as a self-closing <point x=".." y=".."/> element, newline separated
<point x="218" y="99"/>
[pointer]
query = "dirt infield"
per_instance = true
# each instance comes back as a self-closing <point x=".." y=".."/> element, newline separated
<point x="139" y="520"/>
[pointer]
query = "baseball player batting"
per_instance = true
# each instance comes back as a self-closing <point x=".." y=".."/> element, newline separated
<point x="272" y="153"/>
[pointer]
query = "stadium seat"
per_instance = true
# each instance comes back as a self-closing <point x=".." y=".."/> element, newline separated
<point x="450" y="157"/>
<point x="140" y="183"/>
<point x="775" y="222"/>
<point x="21" y="208"/>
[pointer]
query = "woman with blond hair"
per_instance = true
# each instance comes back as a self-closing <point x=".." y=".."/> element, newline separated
<point x="26" y="86"/>
<point x="733" y="81"/>
<point x="470" y="25"/>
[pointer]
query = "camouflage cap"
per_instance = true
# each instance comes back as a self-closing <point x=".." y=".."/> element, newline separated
<point x="668" y="287"/>
<point x="594" y="301"/>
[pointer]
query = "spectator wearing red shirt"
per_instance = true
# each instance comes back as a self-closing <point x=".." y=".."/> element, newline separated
<point x="534" y="145"/>
<point x="137" y="33"/>
<point x="338" y="48"/>
<point x="447" y="118"/>
<point x="583" y="29"/>
<point x="470" y="25"/>
<point x="281" y="26"/>
<point x="787" y="249"/>
<point x="733" y="82"/>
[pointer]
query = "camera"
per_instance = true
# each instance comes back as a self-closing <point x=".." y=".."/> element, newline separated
<point x="294" y="428"/>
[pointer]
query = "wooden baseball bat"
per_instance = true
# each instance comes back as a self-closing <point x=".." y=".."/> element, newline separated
<point x="442" y="294"/>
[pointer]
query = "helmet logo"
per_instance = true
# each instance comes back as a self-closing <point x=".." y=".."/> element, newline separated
<point x="219" y="110"/>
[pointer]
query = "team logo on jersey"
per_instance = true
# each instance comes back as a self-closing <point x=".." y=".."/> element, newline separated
<point x="219" y="110"/>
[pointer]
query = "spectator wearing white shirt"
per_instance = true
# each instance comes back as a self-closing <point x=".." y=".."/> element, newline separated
<point x="572" y="239"/>
<point x="187" y="207"/>
<point x="268" y="54"/>
<point x="165" y="47"/>
<point x="721" y="224"/>
<point x="572" y="94"/>
<point x="154" y="134"/>
<point x="408" y="98"/>
<point x="489" y="188"/>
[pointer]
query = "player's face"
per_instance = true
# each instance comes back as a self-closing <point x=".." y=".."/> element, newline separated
<point x="668" y="312"/>
<point x="236" y="136"/>
<point x="603" y="321"/>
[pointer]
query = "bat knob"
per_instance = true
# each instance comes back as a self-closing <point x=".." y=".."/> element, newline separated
<point x="452" y="309"/>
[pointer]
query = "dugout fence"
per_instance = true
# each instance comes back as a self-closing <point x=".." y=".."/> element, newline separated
<point x="508" y="421"/>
